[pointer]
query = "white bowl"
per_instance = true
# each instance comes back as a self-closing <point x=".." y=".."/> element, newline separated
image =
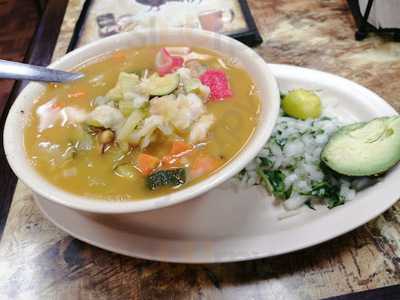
<point x="254" y="64"/>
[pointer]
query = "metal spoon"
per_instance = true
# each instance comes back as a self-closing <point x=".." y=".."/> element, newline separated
<point x="15" y="70"/>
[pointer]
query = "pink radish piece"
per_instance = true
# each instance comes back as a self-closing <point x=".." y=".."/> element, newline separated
<point x="166" y="63"/>
<point x="218" y="83"/>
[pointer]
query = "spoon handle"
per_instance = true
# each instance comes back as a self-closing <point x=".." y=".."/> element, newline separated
<point x="15" y="70"/>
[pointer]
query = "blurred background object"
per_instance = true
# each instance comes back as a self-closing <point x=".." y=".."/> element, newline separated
<point x="104" y="18"/>
<point x="382" y="17"/>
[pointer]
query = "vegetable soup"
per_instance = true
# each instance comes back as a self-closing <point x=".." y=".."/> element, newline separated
<point x="142" y="123"/>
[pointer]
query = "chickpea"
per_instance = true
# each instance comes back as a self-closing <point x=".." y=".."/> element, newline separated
<point x="106" y="137"/>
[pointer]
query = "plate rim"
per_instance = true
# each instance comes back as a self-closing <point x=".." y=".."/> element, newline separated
<point x="365" y="213"/>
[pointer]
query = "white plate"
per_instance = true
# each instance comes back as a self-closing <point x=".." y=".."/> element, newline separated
<point x="227" y="224"/>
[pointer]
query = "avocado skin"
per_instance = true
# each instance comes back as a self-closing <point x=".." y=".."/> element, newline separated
<point x="364" y="149"/>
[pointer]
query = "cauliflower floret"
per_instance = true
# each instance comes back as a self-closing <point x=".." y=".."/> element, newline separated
<point x="106" y="116"/>
<point x="49" y="113"/>
<point x="193" y="84"/>
<point x="146" y="84"/>
<point x="138" y="100"/>
<point x="190" y="108"/>
<point x="195" y="67"/>
<point x="128" y="89"/>
<point x="125" y="81"/>
<point x="164" y="106"/>
<point x="200" y="129"/>
<point x="182" y="112"/>
<point x="130" y="124"/>
<point x="184" y="74"/>
<point x="130" y="84"/>
<point x="144" y="134"/>
<point x="195" y="104"/>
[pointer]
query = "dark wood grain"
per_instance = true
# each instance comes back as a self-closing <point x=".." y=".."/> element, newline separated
<point x="39" y="53"/>
<point x="18" y="20"/>
<point x="40" y="5"/>
<point x="39" y="261"/>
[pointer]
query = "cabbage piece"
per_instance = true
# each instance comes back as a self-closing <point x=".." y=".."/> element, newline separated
<point x="138" y="100"/>
<point x="83" y="140"/>
<point x="164" y="106"/>
<point x="70" y="152"/>
<point x="129" y="84"/>
<point x="130" y="125"/>
<point x="126" y="107"/>
<point x="200" y="129"/>
<point x="126" y="171"/>
<point x="124" y="146"/>
<point x="190" y="108"/>
<point x="192" y="84"/>
<point x="126" y="83"/>
<point x="182" y="112"/>
<point x="72" y="115"/>
<point x="184" y="73"/>
<point x="102" y="100"/>
<point x="48" y="114"/>
<point x="145" y="85"/>
<point x="115" y="94"/>
<point x="105" y="116"/>
<point x="196" y="67"/>
<point x="143" y="135"/>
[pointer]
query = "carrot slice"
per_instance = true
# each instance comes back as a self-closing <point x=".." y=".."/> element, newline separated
<point x="203" y="164"/>
<point x="146" y="163"/>
<point x="170" y="162"/>
<point x="167" y="159"/>
<point x="180" y="148"/>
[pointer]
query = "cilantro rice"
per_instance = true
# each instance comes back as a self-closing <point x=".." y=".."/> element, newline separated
<point x="289" y="165"/>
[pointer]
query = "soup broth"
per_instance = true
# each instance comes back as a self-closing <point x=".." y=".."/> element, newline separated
<point x="78" y="137"/>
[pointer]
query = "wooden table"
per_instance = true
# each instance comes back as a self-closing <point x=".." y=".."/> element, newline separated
<point x="38" y="261"/>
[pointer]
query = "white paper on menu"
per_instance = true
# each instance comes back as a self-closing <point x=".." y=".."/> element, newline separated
<point x="384" y="13"/>
<point x="107" y="17"/>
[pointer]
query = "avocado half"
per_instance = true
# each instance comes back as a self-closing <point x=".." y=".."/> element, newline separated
<point x="364" y="149"/>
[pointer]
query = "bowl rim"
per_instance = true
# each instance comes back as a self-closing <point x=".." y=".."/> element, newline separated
<point x="41" y="186"/>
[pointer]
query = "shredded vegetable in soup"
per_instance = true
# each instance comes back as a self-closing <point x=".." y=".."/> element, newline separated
<point x="142" y="123"/>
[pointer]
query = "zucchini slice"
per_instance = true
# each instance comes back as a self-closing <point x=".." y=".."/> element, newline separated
<point x="161" y="86"/>
<point x="170" y="178"/>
